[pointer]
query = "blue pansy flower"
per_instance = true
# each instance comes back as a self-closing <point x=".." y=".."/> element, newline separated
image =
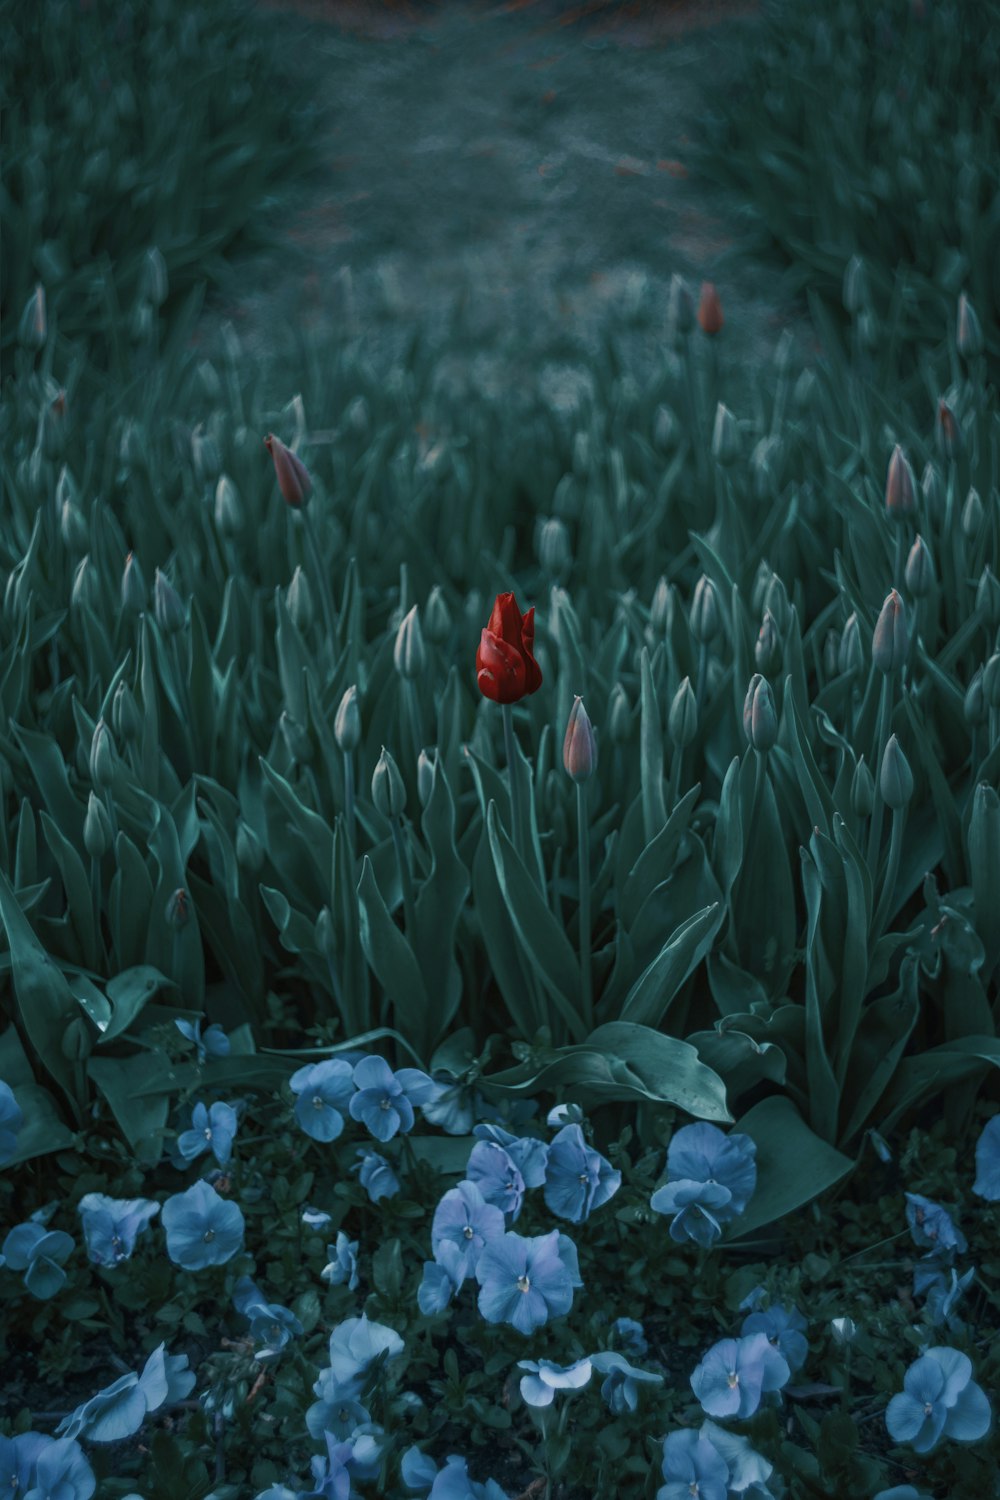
<point x="271" y="1326"/>
<point x="60" y="1472"/>
<point x="932" y="1226"/>
<point x="39" y="1253"/>
<point x="441" y="1280"/>
<point x="343" y="1263"/>
<point x="457" y="1106"/>
<point x="711" y="1176"/>
<point x="324" y="1094"/>
<point x="578" y="1179"/>
<point x="464" y="1219"/>
<point x="111" y="1225"/>
<point x="359" y="1457"/>
<point x="544" y="1378"/>
<point x="422" y="1475"/>
<point x="711" y="1463"/>
<point x="120" y="1409"/>
<point x="376" y="1175"/>
<point x="620" y="1387"/>
<point x="939" y="1399"/>
<point x="315" y="1218"/>
<point x="497" y="1177"/>
<point x="18" y="1457"/>
<point x="527" y="1152"/>
<point x="524" y="1281"/>
<point x="202" y="1228"/>
<point x="735" y="1373"/>
<point x="564" y="1114"/>
<point x="355" y="1343"/>
<point x="785" y="1327"/>
<point x="384" y="1101"/>
<point x="943" y="1289"/>
<point x="212" y="1130"/>
<point x="214" y="1043"/>
<point x="987" y="1183"/>
<point x="11" y="1120"/>
<point x="631" y="1335"/>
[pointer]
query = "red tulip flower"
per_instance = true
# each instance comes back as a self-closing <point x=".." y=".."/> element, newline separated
<point x="505" y="668"/>
<point x="710" y="309"/>
<point x="293" y="476"/>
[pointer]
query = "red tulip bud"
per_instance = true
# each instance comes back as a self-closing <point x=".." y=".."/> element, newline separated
<point x="710" y="316"/>
<point x="890" y="641"/>
<point x="580" y="744"/>
<point x="506" y="671"/>
<point x="899" y="495"/>
<point x="293" y="476"/>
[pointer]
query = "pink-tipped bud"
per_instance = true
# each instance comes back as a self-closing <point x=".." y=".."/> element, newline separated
<point x="710" y="318"/>
<point x="760" y="722"/>
<point x="949" y="434"/>
<point x="919" y="570"/>
<point x="293" y="476"/>
<point x="580" y="744"/>
<point x="969" y="335"/>
<point x="891" y="640"/>
<point x="900" y="500"/>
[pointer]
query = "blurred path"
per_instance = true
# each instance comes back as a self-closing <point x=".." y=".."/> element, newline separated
<point x="519" y="181"/>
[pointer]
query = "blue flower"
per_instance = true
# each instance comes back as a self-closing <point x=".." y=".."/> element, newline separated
<point x="202" y="1228"/>
<point x="524" y="1282"/>
<point x="355" y="1343"/>
<point x="315" y="1218"/>
<point x="214" y="1043"/>
<point x="785" y="1328"/>
<point x="11" y="1120"/>
<point x="528" y="1154"/>
<point x="271" y="1326"/>
<point x="712" y="1463"/>
<point x="343" y="1263"/>
<point x="456" y="1108"/>
<point x="942" y="1292"/>
<point x="18" y="1457"/>
<point x="60" y="1471"/>
<point x="357" y="1458"/>
<point x="987" y="1183"/>
<point x="384" y="1101"/>
<point x="539" y="1386"/>
<point x="376" y="1175"/>
<point x="40" y="1253"/>
<point x="620" y="1387"/>
<point x="441" y="1280"/>
<point x="324" y="1091"/>
<point x="578" y="1179"/>
<point x="902" y="1492"/>
<point x="111" y="1225"/>
<point x="939" y="1399"/>
<point x="212" y="1130"/>
<point x="735" y="1373"/>
<point x="497" y="1177"/>
<point x="710" y="1179"/>
<point x="631" y="1335"/>
<point x="464" y="1219"/>
<point x="120" y="1409"/>
<point x="420" y="1473"/>
<point x="932" y="1226"/>
<point x="564" y="1114"/>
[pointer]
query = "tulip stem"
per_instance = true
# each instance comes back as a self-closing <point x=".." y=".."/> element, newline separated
<point x="883" y="911"/>
<point x="899" y="566"/>
<point x="405" y="879"/>
<point x="884" y="727"/>
<point x="515" y="792"/>
<point x="349" y="797"/>
<point x="322" y="584"/>
<point x="583" y="844"/>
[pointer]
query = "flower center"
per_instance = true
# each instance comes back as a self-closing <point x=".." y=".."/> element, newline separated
<point x="928" y="1408"/>
<point x="733" y="1379"/>
<point x="468" y="1231"/>
<point x="317" y="1102"/>
<point x="583" y="1178"/>
<point x="384" y="1103"/>
<point x="208" y="1236"/>
<point x="523" y="1283"/>
<point x="208" y="1133"/>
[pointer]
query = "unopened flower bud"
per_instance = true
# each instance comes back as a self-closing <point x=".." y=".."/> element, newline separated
<point x="930" y="488"/>
<point x="660" y="607"/>
<point x="357" y="417"/>
<point x="133" y="586"/>
<point x="900" y="500"/>
<point x="228" y="507"/>
<point x="776" y="601"/>
<point x="324" y="931"/>
<point x="126" y="720"/>
<point x="844" y="1331"/>
<point x="153" y="281"/>
<point x="706" y="621"/>
<point x="855" y="287"/>
<point x="896" y="778"/>
<point x="804" y="392"/>
<point x="710" y="316"/>
<point x="299" y="601"/>
<point x="767" y="650"/>
<point x="293" y="477"/>
<point x="760" y="722"/>
<point x="579" y="744"/>
<point x="296" y="737"/>
<point x="682" y="719"/>
<point x="862" y="790"/>
<point x="85" y="584"/>
<point x="96" y="828"/>
<point x="33" y="326"/>
<point x="437" y="617"/>
<point x="851" y="657"/>
<point x="988" y="598"/>
<point x="975" y="709"/>
<point x="991" y="681"/>
<point x="566" y="500"/>
<point x="249" y="850"/>
<point x="725" y="437"/>
<point x="409" y="653"/>
<point x="619" y="715"/>
<point x="765" y="463"/>
<point x="891" y="639"/>
<point x="347" y="723"/>
<point x="102" y="756"/>
<point x="167" y="605"/>
<point x="869" y="332"/>
<point x="553" y="547"/>
<point x="969" y="335"/>
<point x="73" y="528"/>
<point x="972" y="515"/>
<point x="388" y="791"/>
<point x="831" y="653"/>
<point x="205" y="456"/>
<point x="919" y="573"/>
<point x="178" y="909"/>
<point x="949" y="434"/>
<point x="426" y="772"/>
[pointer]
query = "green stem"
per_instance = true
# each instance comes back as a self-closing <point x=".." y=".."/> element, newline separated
<point x="515" y="791"/>
<point x="322" y="583"/>
<point x="884" y="726"/>
<point x="891" y="873"/>
<point x="349" y="797"/>
<point x="583" y="841"/>
<point x="674" y="783"/>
